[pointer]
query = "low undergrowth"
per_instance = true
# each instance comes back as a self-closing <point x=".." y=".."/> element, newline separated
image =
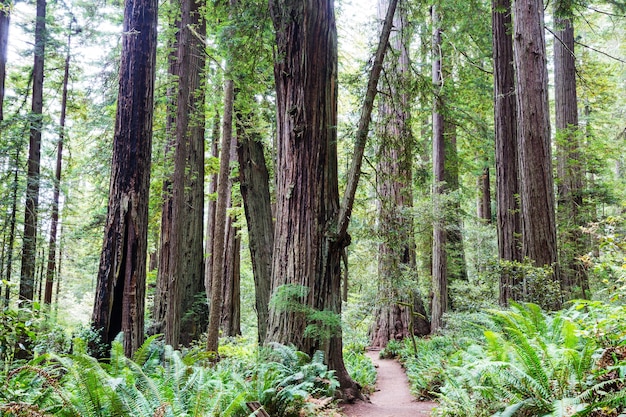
<point x="161" y="381"/>
<point x="525" y="362"/>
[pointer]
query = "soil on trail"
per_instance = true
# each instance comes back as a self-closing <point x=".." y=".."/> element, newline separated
<point x="392" y="397"/>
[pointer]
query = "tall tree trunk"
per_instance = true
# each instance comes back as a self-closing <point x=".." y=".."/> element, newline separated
<point x="570" y="172"/>
<point x="219" y="238"/>
<point x="396" y="252"/>
<point x="533" y="123"/>
<point x="5" y="19"/>
<point x="52" y="246"/>
<point x="211" y="206"/>
<point x="507" y="162"/>
<point x="255" y="192"/>
<point x="186" y="272"/>
<point x="120" y="291"/>
<point x="439" y="302"/>
<point x="231" y="306"/>
<point x="12" y="225"/>
<point x="29" y="248"/>
<point x="163" y="284"/>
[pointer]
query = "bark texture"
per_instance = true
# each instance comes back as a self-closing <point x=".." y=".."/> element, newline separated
<point x="219" y="231"/>
<point x="120" y="291"/>
<point x="394" y="180"/>
<point x="570" y="173"/>
<point x="254" y="184"/>
<point x="307" y="245"/>
<point x="439" y="302"/>
<point x="509" y="220"/>
<point x="27" y="275"/>
<point x="533" y="121"/>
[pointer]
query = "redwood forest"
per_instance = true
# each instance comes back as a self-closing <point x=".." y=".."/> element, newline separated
<point x="297" y="208"/>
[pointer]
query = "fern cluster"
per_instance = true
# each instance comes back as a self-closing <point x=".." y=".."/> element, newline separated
<point x="161" y="381"/>
<point x="536" y="364"/>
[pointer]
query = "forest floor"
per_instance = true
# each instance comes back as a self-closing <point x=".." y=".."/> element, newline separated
<point x="392" y="397"/>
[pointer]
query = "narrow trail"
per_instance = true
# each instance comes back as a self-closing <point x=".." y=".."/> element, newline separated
<point x="392" y="397"/>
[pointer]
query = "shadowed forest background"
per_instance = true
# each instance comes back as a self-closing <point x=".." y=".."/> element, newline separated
<point x="211" y="205"/>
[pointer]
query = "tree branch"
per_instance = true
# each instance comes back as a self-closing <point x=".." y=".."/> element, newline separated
<point x="354" y="174"/>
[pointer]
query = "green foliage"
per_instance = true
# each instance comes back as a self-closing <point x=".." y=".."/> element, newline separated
<point x="159" y="380"/>
<point x="321" y="325"/>
<point x="360" y="367"/>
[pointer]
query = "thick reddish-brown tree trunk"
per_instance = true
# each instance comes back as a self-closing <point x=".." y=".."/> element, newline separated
<point x="533" y="129"/>
<point x="120" y="291"/>
<point x="507" y="164"/>
<point x="484" y="199"/>
<point x="27" y="276"/>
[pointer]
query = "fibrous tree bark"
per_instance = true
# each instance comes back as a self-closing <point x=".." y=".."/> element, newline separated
<point x="52" y="243"/>
<point x="533" y="130"/>
<point x="311" y="227"/>
<point x="570" y="174"/>
<point x="181" y="274"/>
<point x="219" y="231"/>
<point x="394" y="179"/>
<point x="509" y="223"/>
<point x="484" y="203"/>
<point x="120" y="290"/>
<point x="231" y="305"/>
<point x="27" y="275"/>
<point x="255" y="192"/>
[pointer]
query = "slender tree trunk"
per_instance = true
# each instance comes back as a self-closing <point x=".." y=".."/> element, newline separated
<point x="120" y="292"/>
<point x="219" y="238"/>
<point x="5" y="19"/>
<point x="52" y="246"/>
<point x="12" y="225"/>
<point x="507" y="162"/>
<point x="570" y="172"/>
<point x="255" y="191"/>
<point x="440" y="274"/>
<point x="211" y="206"/>
<point x="231" y="307"/>
<point x="533" y="121"/>
<point x="394" y="180"/>
<point x="484" y="204"/>
<point x="29" y="249"/>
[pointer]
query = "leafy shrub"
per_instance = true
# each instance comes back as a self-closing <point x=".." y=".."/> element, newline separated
<point x="360" y="367"/>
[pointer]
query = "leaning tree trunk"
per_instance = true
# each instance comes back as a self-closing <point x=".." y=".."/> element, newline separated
<point x="533" y="122"/>
<point x="255" y="192"/>
<point x="507" y="164"/>
<point x="396" y="252"/>
<point x="570" y="185"/>
<point x="27" y="276"/>
<point x="52" y="245"/>
<point x="120" y="291"/>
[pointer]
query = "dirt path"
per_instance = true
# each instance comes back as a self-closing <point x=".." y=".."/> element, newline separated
<point x="392" y="397"/>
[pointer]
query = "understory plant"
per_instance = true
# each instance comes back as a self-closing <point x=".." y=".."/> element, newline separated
<point x="161" y="381"/>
